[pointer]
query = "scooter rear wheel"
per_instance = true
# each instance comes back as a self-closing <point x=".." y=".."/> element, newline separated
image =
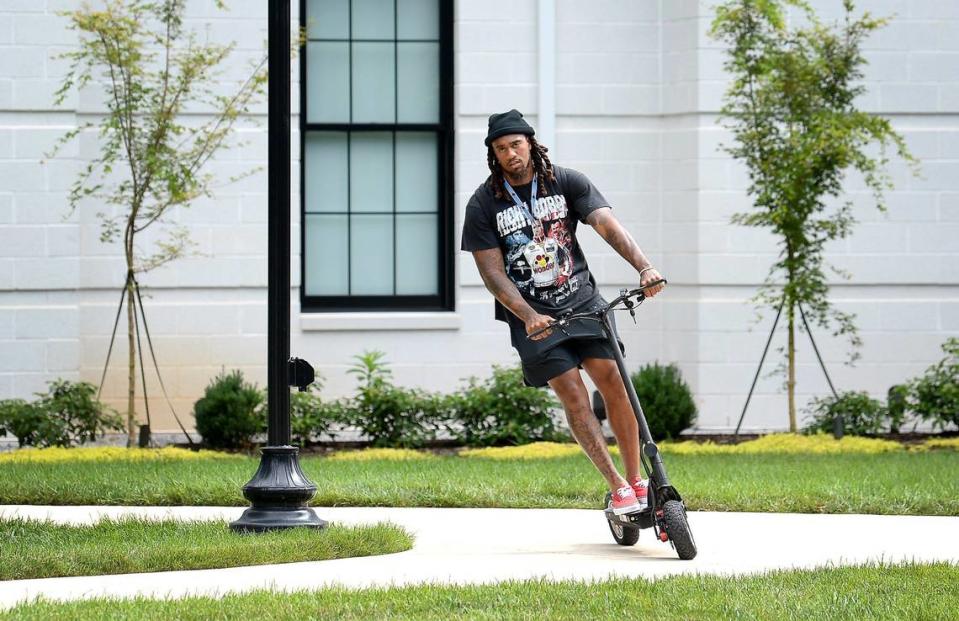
<point x="624" y="534"/>
<point x="677" y="527"/>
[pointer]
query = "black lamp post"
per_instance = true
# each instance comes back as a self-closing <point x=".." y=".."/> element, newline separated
<point x="279" y="490"/>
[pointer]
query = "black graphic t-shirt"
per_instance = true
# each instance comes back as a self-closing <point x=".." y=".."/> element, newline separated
<point x="542" y="258"/>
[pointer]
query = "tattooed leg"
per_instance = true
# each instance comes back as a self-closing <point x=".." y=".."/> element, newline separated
<point x="619" y="411"/>
<point x="585" y="428"/>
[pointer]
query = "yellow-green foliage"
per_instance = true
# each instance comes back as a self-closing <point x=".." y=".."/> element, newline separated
<point x="105" y="454"/>
<point x="786" y="443"/>
<point x="941" y="444"/>
<point x="374" y="454"/>
<point x="775" y="443"/>
<point x="536" y="450"/>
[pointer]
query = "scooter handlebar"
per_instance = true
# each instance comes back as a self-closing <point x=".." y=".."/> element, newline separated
<point x="639" y="293"/>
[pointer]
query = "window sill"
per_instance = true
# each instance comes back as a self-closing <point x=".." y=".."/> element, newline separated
<point x="341" y="322"/>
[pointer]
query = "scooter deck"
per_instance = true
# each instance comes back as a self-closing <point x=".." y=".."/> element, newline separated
<point x="640" y="519"/>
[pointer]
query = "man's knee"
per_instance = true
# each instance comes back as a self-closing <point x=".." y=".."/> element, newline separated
<point x="605" y="374"/>
<point x="571" y="391"/>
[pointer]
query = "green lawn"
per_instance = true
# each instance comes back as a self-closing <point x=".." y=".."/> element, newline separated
<point x="890" y="483"/>
<point x="892" y="592"/>
<point x="35" y="549"/>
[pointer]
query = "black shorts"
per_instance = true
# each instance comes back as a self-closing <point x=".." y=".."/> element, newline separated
<point x="566" y="355"/>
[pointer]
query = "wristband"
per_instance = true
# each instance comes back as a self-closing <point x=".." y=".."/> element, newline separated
<point x="644" y="269"/>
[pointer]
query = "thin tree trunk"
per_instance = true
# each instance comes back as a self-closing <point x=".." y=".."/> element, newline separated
<point x="132" y="377"/>
<point x="132" y="431"/>
<point x="791" y="383"/>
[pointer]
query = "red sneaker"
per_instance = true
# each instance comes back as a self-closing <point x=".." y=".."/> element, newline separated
<point x="624" y="501"/>
<point x="639" y="488"/>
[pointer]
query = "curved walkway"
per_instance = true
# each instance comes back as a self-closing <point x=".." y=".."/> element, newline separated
<point x="464" y="546"/>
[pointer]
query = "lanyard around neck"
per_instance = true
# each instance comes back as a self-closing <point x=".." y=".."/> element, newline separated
<point x="521" y="204"/>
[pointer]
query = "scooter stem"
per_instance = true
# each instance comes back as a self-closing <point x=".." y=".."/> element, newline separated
<point x="648" y="446"/>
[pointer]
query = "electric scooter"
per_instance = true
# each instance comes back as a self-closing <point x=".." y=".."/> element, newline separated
<point x="666" y="511"/>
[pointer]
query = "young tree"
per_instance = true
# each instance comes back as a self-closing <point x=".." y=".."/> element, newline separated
<point x="791" y="107"/>
<point x="151" y="157"/>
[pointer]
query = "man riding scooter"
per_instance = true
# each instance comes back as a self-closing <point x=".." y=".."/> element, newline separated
<point x="520" y="226"/>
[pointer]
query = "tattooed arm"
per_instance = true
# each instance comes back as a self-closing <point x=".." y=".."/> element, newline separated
<point x="622" y="242"/>
<point x="490" y="265"/>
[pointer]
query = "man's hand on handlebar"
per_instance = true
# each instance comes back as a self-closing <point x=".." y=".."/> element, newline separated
<point x="538" y="322"/>
<point x="651" y="275"/>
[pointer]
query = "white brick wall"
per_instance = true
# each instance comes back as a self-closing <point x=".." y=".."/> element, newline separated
<point x="638" y="86"/>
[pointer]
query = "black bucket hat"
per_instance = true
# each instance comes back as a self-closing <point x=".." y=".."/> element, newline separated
<point x="506" y="123"/>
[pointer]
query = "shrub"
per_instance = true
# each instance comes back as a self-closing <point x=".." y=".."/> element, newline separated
<point x="66" y="415"/>
<point x="390" y="416"/>
<point x="230" y="412"/>
<point x="935" y="396"/>
<point x="896" y="404"/>
<point x="25" y="421"/>
<point x="861" y="414"/>
<point x="311" y="416"/>
<point x="501" y="410"/>
<point x="665" y="398"/>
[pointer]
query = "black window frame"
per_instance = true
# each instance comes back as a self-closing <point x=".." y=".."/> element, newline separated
<point x="443" y="300"/>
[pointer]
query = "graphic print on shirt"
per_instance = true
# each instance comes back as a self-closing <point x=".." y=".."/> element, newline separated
<point x="541" y="266"/>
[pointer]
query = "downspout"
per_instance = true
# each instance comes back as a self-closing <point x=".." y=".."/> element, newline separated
<point x="546" y="121"/>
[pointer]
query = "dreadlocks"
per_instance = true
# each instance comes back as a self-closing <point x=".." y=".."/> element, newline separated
<point x="542" y="167"/>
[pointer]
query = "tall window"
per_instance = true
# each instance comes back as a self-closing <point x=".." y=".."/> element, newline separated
<point x="376" y="134"/>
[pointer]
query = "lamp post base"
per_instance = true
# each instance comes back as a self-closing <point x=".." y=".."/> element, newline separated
<point x="278" y="492"/>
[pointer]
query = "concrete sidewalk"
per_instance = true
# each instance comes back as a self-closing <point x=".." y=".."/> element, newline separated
<point x="464" y="546"/>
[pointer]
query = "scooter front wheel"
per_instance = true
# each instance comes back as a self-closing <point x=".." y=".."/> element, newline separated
<point x="677" y="527"/>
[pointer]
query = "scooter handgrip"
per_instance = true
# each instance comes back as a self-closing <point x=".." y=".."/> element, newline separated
<point x="541" y="330"/>
<point x="642" y="290"/>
